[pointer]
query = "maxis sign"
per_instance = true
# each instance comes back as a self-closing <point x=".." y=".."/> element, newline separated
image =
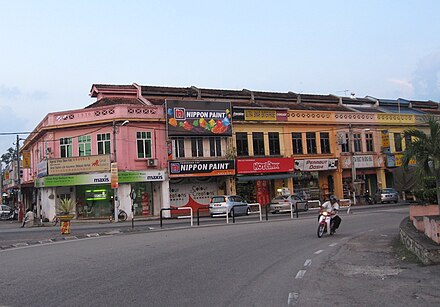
<point x="201" y="168"/>
<point x="101" y="178"/>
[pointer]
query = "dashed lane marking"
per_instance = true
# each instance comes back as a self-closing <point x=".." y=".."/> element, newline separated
<point x="300" y="274"/>
<point x="93" y="235"/>
<point x="308" y="262"/>
<point x="333" y="244"/>
<point x="293" y="297"/>
<point x="318" y="252"/>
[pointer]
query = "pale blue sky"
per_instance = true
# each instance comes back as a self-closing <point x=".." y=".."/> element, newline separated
<point x="51" y="52"/>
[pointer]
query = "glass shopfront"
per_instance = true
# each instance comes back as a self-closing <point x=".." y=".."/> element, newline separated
<point x="143" y="203"/>
<point x="306" y="185"/>
<point x="94" y="201"/>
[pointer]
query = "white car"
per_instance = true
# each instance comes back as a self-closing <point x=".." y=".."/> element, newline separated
<point x="283" y="203"/>
<point x="223" y="204"/>
<point x="6" y="212"/>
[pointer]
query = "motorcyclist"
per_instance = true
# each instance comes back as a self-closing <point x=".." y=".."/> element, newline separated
<point x="332" y="206"/>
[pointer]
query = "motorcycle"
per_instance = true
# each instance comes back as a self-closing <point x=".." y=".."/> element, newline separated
<point x="325" y="223"/>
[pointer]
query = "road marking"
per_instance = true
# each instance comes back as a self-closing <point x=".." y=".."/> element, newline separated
<point x="300" y="274"/>
<point x="293" y="297"/>
<point x="308" y="262"/>
<point x="318" y="252"/>
<point x="333" y="244"/>
<point x="93" y="235"/>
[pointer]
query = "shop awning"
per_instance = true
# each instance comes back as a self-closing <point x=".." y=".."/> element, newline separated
<point x="264" y="177"/>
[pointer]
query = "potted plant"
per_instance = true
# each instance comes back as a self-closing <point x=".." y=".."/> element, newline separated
<point x="65" y="212"/>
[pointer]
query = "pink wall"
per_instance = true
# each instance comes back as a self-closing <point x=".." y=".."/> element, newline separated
<point x="100" y="120"/>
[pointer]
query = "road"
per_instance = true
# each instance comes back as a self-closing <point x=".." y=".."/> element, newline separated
<point x="275" y="263"/>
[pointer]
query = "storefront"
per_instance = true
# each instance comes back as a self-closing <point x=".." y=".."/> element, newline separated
<point x="193" y="183"/>
<point x="94" y="195"/>
<point x="315" y="178"/>
<point x="368" y="169"/>
<point x="259" y="178"/>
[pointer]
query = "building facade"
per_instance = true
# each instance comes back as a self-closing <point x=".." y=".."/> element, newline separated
<point x="178" y="147"/>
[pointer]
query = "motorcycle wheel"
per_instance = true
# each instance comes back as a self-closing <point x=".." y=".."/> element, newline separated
<point x="321" y="229"/>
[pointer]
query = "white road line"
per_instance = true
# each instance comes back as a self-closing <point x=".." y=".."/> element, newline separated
<point x="293" y="297"/>
<point x="333" y="244"/>
<point x="318" y="252"/>
<point x="308" y="262"/>
<point x="300" y="274"/>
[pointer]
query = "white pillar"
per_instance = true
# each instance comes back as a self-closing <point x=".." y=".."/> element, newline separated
<point x="165" y="195"/>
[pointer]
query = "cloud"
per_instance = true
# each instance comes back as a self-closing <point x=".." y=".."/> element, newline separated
<point x="9" y="92"/>
<point x="404" y="87"/>
<point x="426" y="77"/>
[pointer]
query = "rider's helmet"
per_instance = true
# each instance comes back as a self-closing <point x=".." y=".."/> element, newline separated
<point x="333" y="199"/>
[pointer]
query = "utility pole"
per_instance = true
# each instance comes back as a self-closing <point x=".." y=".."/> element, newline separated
<point x="353" y="166"/>
<point x="115" y="189"/>
<point x="115" y="161"/>
<point x="20" y="206"/>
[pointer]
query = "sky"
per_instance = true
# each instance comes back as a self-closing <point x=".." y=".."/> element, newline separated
<point x="52" y="52"/>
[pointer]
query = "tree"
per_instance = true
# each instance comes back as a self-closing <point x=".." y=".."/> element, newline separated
<point x="9" y="156"/>
<point x="425" y="149"/>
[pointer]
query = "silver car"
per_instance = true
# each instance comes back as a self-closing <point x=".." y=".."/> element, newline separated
<point x="223" y="204"/>
<point x="387" y="195"/>
<point x="283" y="203"/>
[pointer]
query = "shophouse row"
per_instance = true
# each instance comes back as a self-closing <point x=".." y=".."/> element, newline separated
<point x="180" y="146"/>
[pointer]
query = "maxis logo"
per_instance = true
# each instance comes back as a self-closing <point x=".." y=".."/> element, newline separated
<point x="175" y="168"/>
<point x="101" y="180"/>
<point x="179" y="113"/>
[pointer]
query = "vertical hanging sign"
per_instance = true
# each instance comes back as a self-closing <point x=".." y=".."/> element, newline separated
<point x="114" y="175"/>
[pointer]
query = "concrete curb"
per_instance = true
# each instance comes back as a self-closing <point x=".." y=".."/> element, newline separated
<point x="425" y="249"/>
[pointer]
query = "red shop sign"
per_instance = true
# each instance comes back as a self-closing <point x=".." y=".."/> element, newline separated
<point x="264" y="165"/>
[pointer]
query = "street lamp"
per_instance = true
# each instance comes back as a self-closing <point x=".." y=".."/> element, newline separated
<point x="115" y="189"/>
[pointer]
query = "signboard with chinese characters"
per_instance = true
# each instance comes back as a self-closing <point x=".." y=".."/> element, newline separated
<point x="313" y="165"/>
<point x="201" y="168"/>
<point x="264" y="165"/>
<point x="394" y="160"/>
<point x="74" y="165"/>
<point x="363" y="161"/>
<point x="385" y="137"/>
<point x="196" y="118"/>
<point x="114" y="175"/>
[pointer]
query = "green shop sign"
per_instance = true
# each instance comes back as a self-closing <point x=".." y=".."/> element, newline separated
<point x="101" y="178"/>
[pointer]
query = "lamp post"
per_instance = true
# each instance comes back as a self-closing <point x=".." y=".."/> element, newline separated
<point x="20" y="206"/>
<point x="115" y="189"/>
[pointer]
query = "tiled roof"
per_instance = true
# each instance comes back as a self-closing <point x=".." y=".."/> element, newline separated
<point x="367" y="109"/>
<point x="114" y="101"/>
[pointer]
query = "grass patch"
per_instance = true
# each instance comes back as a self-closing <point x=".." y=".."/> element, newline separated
<point x="402" y="253"/>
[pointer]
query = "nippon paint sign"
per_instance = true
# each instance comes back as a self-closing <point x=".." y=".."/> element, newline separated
<point x="313" y="165"/>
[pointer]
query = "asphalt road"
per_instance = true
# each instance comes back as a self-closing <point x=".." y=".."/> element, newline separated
<point x="275" y="263"/>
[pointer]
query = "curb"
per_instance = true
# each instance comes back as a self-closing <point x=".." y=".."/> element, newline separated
<point x="426" y="250"/>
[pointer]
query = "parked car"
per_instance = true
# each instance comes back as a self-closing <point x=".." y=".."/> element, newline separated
<point x="224" y="203"/>
<point x="387" y="195"/>
<point x="6" y="212"/>
<point x="283" y="203"/>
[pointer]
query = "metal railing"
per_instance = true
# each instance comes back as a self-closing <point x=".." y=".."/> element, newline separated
<point x="179" y="217"/>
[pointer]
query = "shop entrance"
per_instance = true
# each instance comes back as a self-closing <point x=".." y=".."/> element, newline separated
<point x="94" y="201"/>
<point x="144" y="198"/>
